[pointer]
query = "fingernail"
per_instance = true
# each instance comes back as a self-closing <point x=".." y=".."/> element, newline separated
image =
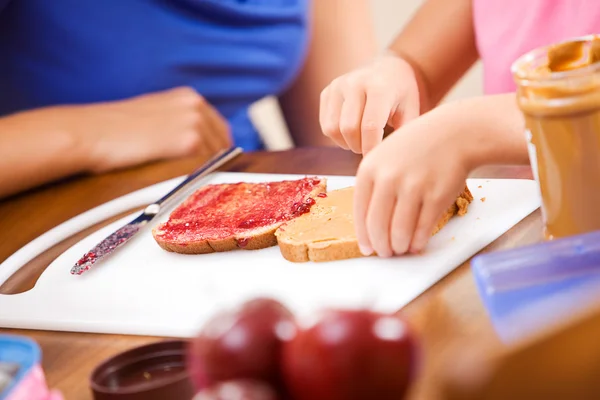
<point x="366" y="251"/>
<point x="414" y="250"/>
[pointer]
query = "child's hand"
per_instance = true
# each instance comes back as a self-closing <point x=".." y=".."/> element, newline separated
<point x="406" y="184"/>
<point x="356" y="107"/>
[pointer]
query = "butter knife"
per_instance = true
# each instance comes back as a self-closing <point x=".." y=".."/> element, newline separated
<point x="126" y="232"/>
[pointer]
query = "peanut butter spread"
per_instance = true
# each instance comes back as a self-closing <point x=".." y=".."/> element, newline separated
<point x="329" y="219"/>
<point x="572" y="55"/>
<point x="560" y="99"/>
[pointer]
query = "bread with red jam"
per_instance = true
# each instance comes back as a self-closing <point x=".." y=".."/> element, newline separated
<point x="223" y="217"/>
<point x="327" y="232"/>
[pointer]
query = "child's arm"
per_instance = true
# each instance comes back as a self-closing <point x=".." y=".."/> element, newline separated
<point x="430" y="55"/>
<point x="404" y="186"/>
<point x="342" y="39"/>
<point x="439" y="44"/>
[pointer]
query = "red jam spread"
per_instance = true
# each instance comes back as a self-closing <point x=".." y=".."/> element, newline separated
<point x="224" y="210"/>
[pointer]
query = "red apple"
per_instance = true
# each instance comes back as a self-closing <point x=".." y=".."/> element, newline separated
<point x="242" y="344"/>
<point x="238" y="390"/>
<point x="350" y="355"/>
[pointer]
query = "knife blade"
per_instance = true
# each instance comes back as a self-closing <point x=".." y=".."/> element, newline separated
<point x="124" y="234"/>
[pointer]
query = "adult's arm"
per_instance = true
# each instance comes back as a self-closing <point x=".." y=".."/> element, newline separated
<point x="47" y="144"/>
<point x="342" y="39"/>
<point x="35" y="149"/>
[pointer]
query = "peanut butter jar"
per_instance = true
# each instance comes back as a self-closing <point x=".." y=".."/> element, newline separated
<point x="558" y="91"/>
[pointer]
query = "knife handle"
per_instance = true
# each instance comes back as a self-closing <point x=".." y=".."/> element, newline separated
<point x="208" y="167"/>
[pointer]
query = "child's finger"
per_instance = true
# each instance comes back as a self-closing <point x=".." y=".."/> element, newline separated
<point x="362" y="198"/>
<point x="412" y="107"/>
<point x="374" y="119"/>
<point x="405" y="113"/>
<point x="350" y="118"/>
<point x="329" y="116"/>
<point x="379" y="217"/>
<point x="404" y="221"/>
<point x="431" y="212"/>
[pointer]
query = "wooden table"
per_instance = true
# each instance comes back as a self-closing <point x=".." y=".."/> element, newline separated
<point x="449" y="310"/>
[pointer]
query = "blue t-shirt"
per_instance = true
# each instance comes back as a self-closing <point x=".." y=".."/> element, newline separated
<point x="233" y="52"/>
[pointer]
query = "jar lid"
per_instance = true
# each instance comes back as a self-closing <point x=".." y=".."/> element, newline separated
<point x="154" y="371"/>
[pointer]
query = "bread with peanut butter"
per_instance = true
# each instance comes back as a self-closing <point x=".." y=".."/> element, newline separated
<point x="327" y="232"/>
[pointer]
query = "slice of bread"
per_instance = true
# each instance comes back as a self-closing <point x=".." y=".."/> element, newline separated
<point x="225" y="217"/>
<point x="327" y="233"/>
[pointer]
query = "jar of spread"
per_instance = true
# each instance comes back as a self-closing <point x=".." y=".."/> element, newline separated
<point x="558" y="91"/>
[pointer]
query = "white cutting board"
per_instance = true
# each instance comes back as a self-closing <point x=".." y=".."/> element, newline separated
<point x="142" y="289"/>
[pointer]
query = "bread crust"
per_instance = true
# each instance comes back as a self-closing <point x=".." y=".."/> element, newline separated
<point x="256" y="239"/>
<point x="332" y="250"/>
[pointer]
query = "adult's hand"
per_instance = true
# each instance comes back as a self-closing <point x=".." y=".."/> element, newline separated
<point x="46" y="144"/>
<point x="167" y="124"/>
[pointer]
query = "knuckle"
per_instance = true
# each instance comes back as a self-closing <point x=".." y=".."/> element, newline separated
<point x="184" y="91"/>
<point x="330" y="128"/>
<point x="387" y="178"/>
<point x="349" y="128"/>
<point x="367" y="169"/>
<point x="338" y="82"/>
<point x="438" y="199"/>
<point x="376" y="85"/>
<point x="190" y="97"/>
<point x="190" y="142"/>
<point x="353" y="83"/>
<point x="226" y="131"/>
<point x="327" y="131"/>
<point x="323" y="95"/>
<point x="369" y="126"/>
<point x="353" y="145"/>
<point x="194" y="120"/>
<point x="343" y="83"/>
<point x="412" y="185"/>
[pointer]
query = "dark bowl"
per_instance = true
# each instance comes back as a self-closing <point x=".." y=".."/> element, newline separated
<point x="154" y="371"/>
